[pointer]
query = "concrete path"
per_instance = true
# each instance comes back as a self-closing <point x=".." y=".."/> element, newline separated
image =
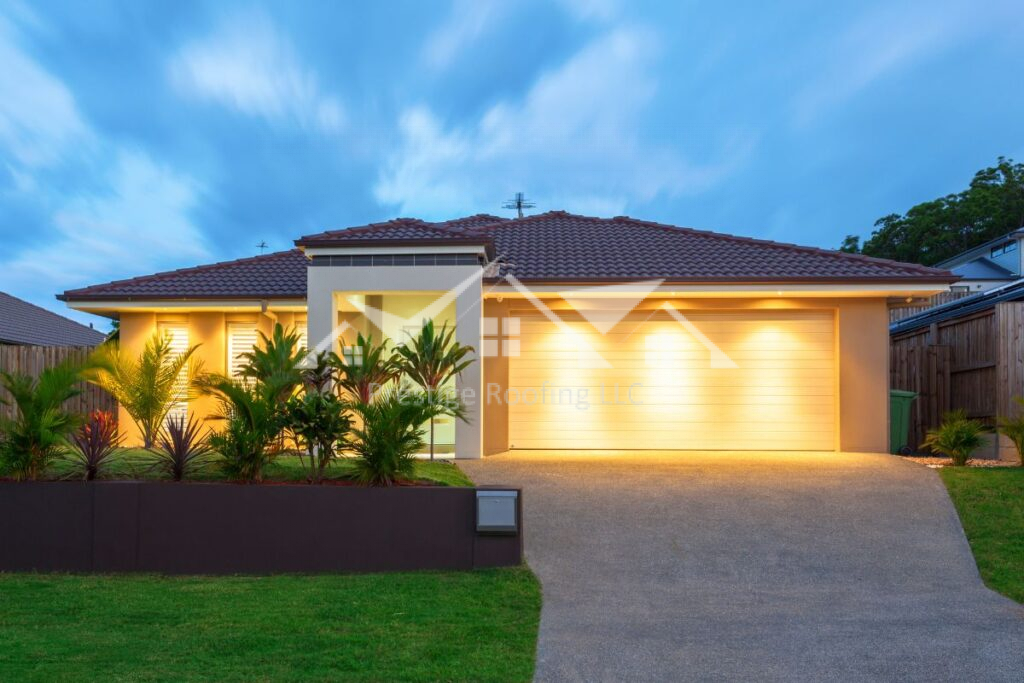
<point x="754" y="566"/>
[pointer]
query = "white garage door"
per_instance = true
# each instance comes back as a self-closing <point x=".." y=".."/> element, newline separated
<point x="739" y="380"/>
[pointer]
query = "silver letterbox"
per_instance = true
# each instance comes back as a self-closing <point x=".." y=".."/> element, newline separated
<point x="497" y="511"/>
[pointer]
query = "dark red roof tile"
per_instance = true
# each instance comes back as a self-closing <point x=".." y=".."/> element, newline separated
<point x="280" y="275"/>
<point x="554" y="246"/>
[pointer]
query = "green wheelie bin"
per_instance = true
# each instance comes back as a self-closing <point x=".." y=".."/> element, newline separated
<point x="899" y="421"/>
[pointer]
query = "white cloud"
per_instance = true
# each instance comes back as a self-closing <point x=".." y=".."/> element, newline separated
<point x="39" y="121"/>
<point x="137" y="224"/>
<point x="122" y="216"/>
<point x="571" y="142"/>
<point x="882" y="43"/>
<point x="247" y="64"/>
<point x="467" y="22"/>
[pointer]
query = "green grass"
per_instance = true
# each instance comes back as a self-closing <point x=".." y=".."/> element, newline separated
<point x="131" y="463"/>
<point x="990" y="501"/>
<point x="428" y="626"/>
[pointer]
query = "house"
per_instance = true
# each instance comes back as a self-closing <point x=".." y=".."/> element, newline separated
<point x="963" y="354"/>
<point x="592" y="333"/>
<point x="25" y="324"/>
<point x="992" y="264"/>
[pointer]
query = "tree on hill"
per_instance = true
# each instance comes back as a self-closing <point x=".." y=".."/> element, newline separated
<point x="934" y="231"/>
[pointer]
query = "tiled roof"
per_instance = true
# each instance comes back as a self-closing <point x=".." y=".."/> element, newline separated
<point x="25" y="323"/>
<point x="280" y="275"/>
<point x="554" y="246"/>
<point x="404" y="230"/>
<point x="563" y="246"/>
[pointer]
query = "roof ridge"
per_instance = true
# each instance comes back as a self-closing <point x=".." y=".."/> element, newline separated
<point x="926" y="270"/>
<point x="190" y="269"/>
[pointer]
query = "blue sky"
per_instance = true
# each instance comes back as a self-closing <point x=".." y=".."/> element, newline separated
<point x="137" y="137"/>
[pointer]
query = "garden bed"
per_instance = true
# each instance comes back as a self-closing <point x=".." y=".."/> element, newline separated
<point x="225" y="528"/>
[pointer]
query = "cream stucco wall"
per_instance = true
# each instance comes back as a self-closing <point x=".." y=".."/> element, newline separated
<point x="208" y="330"/>
<point x="862" y="340"/>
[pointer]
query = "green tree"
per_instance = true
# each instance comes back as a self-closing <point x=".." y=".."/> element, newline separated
<point x="147" y="386"/>
<point x="431" y="359"/>
<point x="364" y="369"/>
<point x="276" y="360"/>
<point x="38" y="433"/>
<point x="939" y="229"/>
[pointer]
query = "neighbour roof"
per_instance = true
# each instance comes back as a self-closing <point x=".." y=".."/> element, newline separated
<point x="554" y="246"/>
<point x="25" y="323"/>
<point x="983" y="269"/>
<point x="982" y="301"/>
<point x="280" y="275"/>
<point x="980" y="249"/>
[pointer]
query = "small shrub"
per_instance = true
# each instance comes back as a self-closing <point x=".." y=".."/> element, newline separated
<point x="36" y="436"/>
<point x="253" y="423"/>
<point x="1013" y="429"/>
<point x="389" y="435"/>
<point x="317" y="420"/>
<point x="93" y="446"/>
<point x="182" y="449"/>
<point x="957" y="437"/>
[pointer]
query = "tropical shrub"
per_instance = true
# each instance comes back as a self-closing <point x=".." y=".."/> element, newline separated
<point x="431" y="360"/>
<point x="93" y="446"/>
<point x="388" y="435"/>
<point x="319" y="424"/>
<point x="1013" y="429"/>
<point x="148" y="386"/>
<point x="182" y="449"/>
<point x="37" y="435"/>
<point x="275" y="361"/>
<point x="957" y="437"/>
<point x="252" y="423"/>
<point x="367" y="368"/>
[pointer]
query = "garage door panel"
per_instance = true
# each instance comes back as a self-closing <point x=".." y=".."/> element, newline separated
<point x="780" y="397"/>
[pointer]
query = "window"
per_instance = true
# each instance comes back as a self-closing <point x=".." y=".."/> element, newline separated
<point x="1004" y="249"/>
<point x="303" y="330"/>
<point x="178" y="334"/>
<point x="242" y="337"/>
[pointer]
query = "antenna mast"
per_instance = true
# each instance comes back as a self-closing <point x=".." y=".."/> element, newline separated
<point x="518" y="203"/>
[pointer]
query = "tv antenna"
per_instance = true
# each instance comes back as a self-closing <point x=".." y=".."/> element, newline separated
<point x="519" y="202"/>
<point x="262" y="246"/>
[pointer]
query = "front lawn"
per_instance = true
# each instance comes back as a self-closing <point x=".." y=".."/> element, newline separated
<point x="428" y="626"/>
<point x="991" y="506"/>
<point x="133" y="463"/>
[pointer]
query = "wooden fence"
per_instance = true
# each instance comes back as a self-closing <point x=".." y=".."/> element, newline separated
<point x="32" y="360"/>
<point x="902" y="312"/>
<point x="975" y="362"/>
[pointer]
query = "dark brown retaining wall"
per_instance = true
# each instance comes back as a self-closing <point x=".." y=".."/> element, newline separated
<point x="230" y="528"/>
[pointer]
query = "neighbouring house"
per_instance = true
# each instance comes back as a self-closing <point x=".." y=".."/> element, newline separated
<point x="992" y="264"/>
<point x="591" y="333"/>
<point x="25" y="324"/>
<point x="966" y="354"/>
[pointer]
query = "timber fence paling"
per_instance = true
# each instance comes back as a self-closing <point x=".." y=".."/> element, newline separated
<point x="32" y="360"/>
<point x="901" y="312"/>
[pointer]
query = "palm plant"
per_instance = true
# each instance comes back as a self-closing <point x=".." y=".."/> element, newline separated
<point x="367" y="368"/>
<point x="37" y="435"/>
<point x="1013" y="429"/>
<point x="276" y="360"/>
<point x="957" y="437"/>
<point x="94" y="445"/>
<point x="432" y="359"/>
<point x="182" y="449"/>
<point x="253" y="423"/>
<point x="148" y="386"/>
<point x="388" y="436"/>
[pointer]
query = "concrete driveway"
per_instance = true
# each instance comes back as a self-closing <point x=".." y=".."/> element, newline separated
<point x="754" y="566"/>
